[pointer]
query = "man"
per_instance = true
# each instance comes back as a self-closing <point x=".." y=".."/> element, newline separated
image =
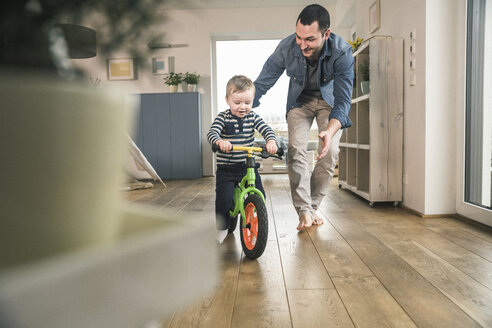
<point x="320" y="67"/>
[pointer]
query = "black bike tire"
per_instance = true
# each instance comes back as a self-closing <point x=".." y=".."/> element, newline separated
<point x="262" y="214"/>
<point x="233" y="223"/>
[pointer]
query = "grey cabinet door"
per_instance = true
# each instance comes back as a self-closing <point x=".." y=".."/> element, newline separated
<point x="169" y="134"/>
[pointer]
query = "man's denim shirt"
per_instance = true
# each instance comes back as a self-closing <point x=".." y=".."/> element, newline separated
<point x="335" y="75"/>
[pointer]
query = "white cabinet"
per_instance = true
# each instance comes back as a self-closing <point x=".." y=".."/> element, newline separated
<point x="371" y="155"/>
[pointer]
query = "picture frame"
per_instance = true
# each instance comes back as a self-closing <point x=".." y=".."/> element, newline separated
<point x="121" y="69"/>
<point x="160" y="65"/>
<point x="375" y="16"/>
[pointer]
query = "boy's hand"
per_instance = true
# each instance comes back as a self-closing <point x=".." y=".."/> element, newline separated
<point x="271" y="147"/>
<point x="225" y="146"/>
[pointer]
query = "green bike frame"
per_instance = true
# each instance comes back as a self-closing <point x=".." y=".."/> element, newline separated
<point x="246" y="186"/>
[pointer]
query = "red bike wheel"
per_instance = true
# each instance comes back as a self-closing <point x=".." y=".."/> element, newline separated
<point x="255" y="234"/>
<point x="250" y="233"/>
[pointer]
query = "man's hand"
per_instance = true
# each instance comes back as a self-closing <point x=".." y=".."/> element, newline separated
<point x="325" y="137"/>
<point x="225" y="146"/>
<point x="271" y="146"/>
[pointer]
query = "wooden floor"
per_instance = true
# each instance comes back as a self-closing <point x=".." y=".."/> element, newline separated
<point x="365" y="267"/>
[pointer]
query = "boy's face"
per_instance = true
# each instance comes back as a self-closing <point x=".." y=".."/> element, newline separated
<point x="241" y="102"/>
<point x="310" y="39"/>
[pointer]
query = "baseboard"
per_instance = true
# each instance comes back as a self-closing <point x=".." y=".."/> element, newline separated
<point x="411" y="210"/>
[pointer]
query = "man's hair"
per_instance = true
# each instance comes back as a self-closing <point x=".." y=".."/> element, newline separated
<point x="315" y="13"/>
<point x="239" y="83"/>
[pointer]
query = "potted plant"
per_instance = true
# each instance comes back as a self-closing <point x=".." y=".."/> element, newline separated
<point x="355" y="44"/>
<point x="364" y="73"/>
<point x="191" y="79"/>
<point x="173" y="80"/>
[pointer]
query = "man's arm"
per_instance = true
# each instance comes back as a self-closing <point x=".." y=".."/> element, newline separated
<point x="342" y="92"/>
<point x="342" y="88"/>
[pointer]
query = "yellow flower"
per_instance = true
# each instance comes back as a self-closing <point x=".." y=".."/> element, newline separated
<point x="355" y="44"/>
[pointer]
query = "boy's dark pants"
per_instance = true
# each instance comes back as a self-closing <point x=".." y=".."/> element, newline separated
<point x="226" y="178"/>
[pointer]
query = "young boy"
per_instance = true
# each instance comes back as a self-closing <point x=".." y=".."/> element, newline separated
<point x="235" y="126"/>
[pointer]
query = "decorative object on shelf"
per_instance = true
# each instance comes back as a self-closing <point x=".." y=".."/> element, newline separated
<point x="191" y="80"/>
<point x="121" y="69"/>
<point x="173" y="80"/>
<point x="364" y="74"/>
<point x="160" y="65"/>
<point x="375" y="16"/>
<point x="356" y="43"/>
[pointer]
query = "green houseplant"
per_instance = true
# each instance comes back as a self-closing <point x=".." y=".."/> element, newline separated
<point x="191" y="78"/>
<point x="173" y="80"/>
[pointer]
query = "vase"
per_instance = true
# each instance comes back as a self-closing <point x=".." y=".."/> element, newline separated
<point x="191" y="87"/>
<point x="173" y="88"/>
<point x="65" y="145"/>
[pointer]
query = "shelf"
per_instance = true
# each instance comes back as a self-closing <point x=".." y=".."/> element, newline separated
<point x="348" y="145"/>
<point x="363" y="48"/>
<point x="146" y="272"/>
<point x="361" y="98"/>
<point x="372" y="158"/>
<point x="353" y="189"/>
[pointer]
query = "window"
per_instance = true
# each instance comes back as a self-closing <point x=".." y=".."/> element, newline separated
<point x="478" y="119"/>
<point x="246" y="57"/>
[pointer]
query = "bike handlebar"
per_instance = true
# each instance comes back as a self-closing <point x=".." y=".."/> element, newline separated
<point x="262" y="150"/>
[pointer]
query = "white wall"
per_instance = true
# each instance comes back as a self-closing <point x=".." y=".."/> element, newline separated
<point x="445" y="88"/>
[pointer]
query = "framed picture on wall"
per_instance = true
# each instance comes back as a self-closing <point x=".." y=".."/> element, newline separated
<point x="120" y="69"/>
<point x="375" y="16"/>
<point x="160" y="65"/>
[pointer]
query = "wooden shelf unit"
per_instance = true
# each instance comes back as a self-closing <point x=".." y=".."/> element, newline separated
<point x="371" y="151"/>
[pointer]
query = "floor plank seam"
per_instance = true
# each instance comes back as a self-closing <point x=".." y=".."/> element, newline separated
<point x="236" y="289"/>
<point x="281" y="263"/>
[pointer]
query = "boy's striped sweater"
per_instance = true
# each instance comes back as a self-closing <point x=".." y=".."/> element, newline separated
<point x="239" y="132"/>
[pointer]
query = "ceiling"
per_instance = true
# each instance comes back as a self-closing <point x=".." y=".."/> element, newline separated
<point x="206" y="4"/>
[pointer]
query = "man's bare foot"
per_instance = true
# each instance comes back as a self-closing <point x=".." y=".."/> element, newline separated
<point x="317" y="220"/>
<point x="305" y="221"/>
